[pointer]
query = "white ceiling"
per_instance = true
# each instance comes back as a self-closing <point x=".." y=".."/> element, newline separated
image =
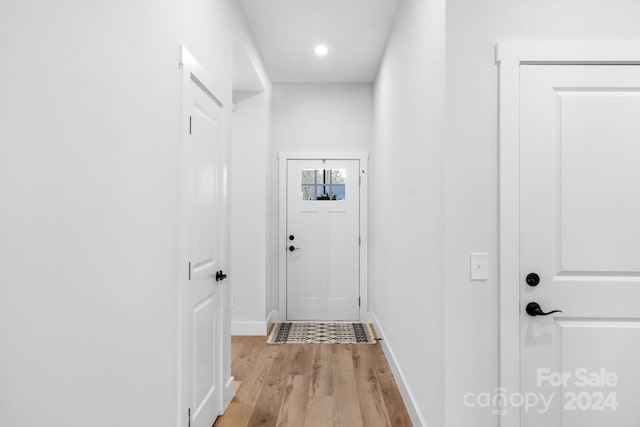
<point x="286" y="31"/>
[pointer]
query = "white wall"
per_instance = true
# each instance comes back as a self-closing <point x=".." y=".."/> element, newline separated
<point x="90" y="127"/>
<point x="250" y="149"/>
<point x="251" y="145"/>
<point x="322" y="117"/>
<point x="248" y="272"/>
<point x="473" y="29"/>
<point x="315" y="118"/>
<point x="406" y="273"/>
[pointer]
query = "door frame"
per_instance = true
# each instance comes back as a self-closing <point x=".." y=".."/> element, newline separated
<point x="191" y="69"/>
<point x="509" y="57"/>
<point x="283" y="159"/>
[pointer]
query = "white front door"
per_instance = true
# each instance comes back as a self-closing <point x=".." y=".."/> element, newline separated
<point x="580" y="239"/>
<point x="203" y="192"/>
<point x="323" y="242"/>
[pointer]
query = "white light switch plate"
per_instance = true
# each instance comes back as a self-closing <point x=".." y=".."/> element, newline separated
<point x="479" y="266"/>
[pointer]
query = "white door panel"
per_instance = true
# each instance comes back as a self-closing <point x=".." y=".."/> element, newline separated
<point x="201" y="294"/>
<point x="342" y="259"/>
<point x="580" y="232"/>
<point x="323" y="269"/>
<point x="205" y="378"/>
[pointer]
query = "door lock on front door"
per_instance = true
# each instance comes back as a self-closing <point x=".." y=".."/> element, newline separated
<point x="532" y="279"/>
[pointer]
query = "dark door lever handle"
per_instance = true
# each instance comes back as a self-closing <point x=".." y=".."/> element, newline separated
<point x="533" y="309"/>
<point x="220" y="276"/>
<point x="292" y="248"/>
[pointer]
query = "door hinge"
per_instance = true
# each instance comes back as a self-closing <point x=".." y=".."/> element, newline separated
<point x="189" y="125"/>
<point x="189" y="270"/>
<point x="359" y="241"/>
<point x="359" y="301"/>
<point x="189" y="415"/>
<point x="360" y="180"/>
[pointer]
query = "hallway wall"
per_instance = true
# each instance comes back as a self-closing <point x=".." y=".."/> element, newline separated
<point x="407" y="212"/>
<point x="473" y="29"/>
<point x="315" y="118"/>
<point x="322" y="117"/>
<point x="250" y="268"/>
<point x="90" y="127"/>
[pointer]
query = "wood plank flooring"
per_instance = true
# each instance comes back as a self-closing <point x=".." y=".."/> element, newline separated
<point x="312" y="385"/>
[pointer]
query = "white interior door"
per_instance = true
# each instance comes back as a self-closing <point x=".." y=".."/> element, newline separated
<point x="201" y="294"/>
<point x="323" y="242"/>
<point x="580" y="233"/>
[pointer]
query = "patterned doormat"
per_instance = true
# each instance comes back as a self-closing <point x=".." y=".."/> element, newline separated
<point x="321" y="333"/>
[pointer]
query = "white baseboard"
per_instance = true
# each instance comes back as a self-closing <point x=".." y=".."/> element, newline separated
<point x="254" y="328"/>
<point x="271" y="319"/>
<point x="227" y="393"/>
<point x="407" y="396"/>
<point x="249" y="328"/>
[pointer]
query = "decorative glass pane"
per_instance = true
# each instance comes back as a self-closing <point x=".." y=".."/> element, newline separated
<point x="323" y="184"/>
<point x="309" y="176"/>
<point x="338" y="176"/>
<point x="338" y="192"/>
<point x="308" y="192"/>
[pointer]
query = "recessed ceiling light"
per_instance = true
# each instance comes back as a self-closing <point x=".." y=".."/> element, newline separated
<point x="321" y="50"/>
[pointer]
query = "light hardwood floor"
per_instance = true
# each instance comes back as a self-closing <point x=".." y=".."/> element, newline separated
<point x="315" y="385"/>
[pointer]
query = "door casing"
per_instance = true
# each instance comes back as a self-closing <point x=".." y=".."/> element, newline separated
<point x="283" y="158"/>
<point x="509" y="57"/>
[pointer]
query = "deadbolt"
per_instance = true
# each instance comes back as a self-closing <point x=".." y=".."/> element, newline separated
<point x="532" y="279"/>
